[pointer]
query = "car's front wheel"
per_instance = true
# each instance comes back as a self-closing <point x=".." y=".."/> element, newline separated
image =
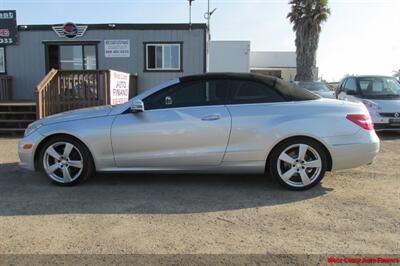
<point x="298" y="164"/>
<point x="66" y="161"/>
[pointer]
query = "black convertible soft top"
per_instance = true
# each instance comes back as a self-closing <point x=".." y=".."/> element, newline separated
<point x="289" y="91"/>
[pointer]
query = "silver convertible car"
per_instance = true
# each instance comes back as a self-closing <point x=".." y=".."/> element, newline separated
<point x="210" y="123"/>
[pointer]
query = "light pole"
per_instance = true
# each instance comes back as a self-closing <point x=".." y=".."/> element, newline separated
<point x="207" y="16"/>
<point x="190" y="14"/>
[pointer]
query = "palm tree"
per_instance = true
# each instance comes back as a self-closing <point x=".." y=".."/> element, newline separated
<point x="307" y="17"/>
<point x="396" y="74"/>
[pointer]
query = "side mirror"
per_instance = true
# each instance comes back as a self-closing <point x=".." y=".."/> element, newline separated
<point x="137" y="106"/>
<point x="351" y="92"/>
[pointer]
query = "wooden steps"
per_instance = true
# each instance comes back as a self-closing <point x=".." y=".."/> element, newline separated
<point x="15" y="116"/>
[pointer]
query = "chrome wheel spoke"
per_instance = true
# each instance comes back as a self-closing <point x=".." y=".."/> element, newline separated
<point x="76" y="164"/>
<point x="67" y="150"/>
<point x="313" y="164"/>
<point x="288" y="174"/>
<point x="53" y="153"/>
<point x="52" y="168"/>
<point x="286" y="158"/>
<point x="302" y="151"/>
<point x="66" y="175"/>
<point x="304" y="177"/>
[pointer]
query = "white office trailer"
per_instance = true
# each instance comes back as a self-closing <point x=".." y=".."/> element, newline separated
<point x="279" y="64"/>
<point x="235" y="56"/>
<point x="153" y="53"/>
<point x="229" y="56"/>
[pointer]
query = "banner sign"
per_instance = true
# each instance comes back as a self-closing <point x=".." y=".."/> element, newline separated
<point x="8" y="27"/>
<point x="119" y="87"/>
<point x="117" y="48"/>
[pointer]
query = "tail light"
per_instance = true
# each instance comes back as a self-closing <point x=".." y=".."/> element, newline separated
<point x="363" y="121"/>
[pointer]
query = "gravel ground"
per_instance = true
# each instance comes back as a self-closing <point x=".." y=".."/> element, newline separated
<point x="354" y="211"/>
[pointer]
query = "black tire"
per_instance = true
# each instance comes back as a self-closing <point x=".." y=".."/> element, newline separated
<point x="87" y="161"/>
<point x="281" y="147"/>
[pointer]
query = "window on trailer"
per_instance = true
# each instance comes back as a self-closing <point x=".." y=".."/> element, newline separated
<point x="163" y="56"/>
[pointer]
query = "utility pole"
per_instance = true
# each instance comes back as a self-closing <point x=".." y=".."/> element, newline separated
<point x="207" y="16"/>
<point x="190" y="14"/>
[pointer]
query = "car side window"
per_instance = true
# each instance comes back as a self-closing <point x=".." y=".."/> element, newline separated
<point x="350" y="85"/>
<point x="192" y="93"/>
<point x="246" y="91"/>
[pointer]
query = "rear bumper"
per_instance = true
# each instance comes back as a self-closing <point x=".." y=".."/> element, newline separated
<point x="353" y="151"/>
<point x="354" y="155"/>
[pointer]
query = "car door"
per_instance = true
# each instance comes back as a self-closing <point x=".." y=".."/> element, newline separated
<point x="349" y="91"/>
<point x="256" y="108"/>
<point x="184" y="125"/>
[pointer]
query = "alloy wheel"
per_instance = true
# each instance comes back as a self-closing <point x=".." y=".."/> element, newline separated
<point x="299" y="165"/>
<point x="63" y="162"/>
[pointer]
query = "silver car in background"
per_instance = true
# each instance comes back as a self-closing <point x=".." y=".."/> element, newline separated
<point x="380" y="94"/>
<point x="317" y="87"/>
<point x="211" y="123"/>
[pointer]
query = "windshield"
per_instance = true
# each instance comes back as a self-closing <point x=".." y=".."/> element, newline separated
<point x="314" y="86"/>
<point x="379" y="86"/>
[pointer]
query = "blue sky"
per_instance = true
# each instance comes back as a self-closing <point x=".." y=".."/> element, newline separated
<point x="360" y="37"/>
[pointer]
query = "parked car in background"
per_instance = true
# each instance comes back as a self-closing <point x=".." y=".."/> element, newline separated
<point x="317" y="87"/>
<point x="210" y="123"/>
<point x="380" y="94"/>
<point x="333" y="85"/>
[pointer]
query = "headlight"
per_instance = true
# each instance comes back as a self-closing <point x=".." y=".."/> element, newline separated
<point x="371" y="105"/>
<point x="30" y="129"/>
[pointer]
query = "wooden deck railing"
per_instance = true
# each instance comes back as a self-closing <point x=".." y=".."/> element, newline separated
<point x="63" y="90"/>
<point x="5" y="88"/>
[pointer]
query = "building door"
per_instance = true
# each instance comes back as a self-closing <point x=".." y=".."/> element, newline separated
<point x="71" y="56"/>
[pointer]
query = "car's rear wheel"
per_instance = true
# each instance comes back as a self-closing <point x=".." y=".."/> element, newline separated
<point x="66" y="161"/>
<point x="298" y="164"/>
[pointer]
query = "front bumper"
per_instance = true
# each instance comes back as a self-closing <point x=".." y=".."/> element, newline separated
<point x="27" y="156"/>
<point x="384" y="123"/>
<point x="386" y="127"/>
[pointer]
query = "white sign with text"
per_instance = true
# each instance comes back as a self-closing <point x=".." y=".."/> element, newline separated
<point x="119" y="87"/>
<point x="117" y="48"/>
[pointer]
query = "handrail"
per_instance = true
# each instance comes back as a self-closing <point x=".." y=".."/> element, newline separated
<point x="5" y="77"/>
<point x="39" y="92"/>
<point x="49" y="76"/>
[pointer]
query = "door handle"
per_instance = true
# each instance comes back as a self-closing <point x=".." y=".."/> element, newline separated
<point x="211" y="117"/>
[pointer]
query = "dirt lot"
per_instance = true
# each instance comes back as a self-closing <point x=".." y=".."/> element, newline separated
<point x="352" y="212"/>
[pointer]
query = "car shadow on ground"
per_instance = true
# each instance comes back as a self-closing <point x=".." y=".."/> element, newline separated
<point x="29" y="193"/>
